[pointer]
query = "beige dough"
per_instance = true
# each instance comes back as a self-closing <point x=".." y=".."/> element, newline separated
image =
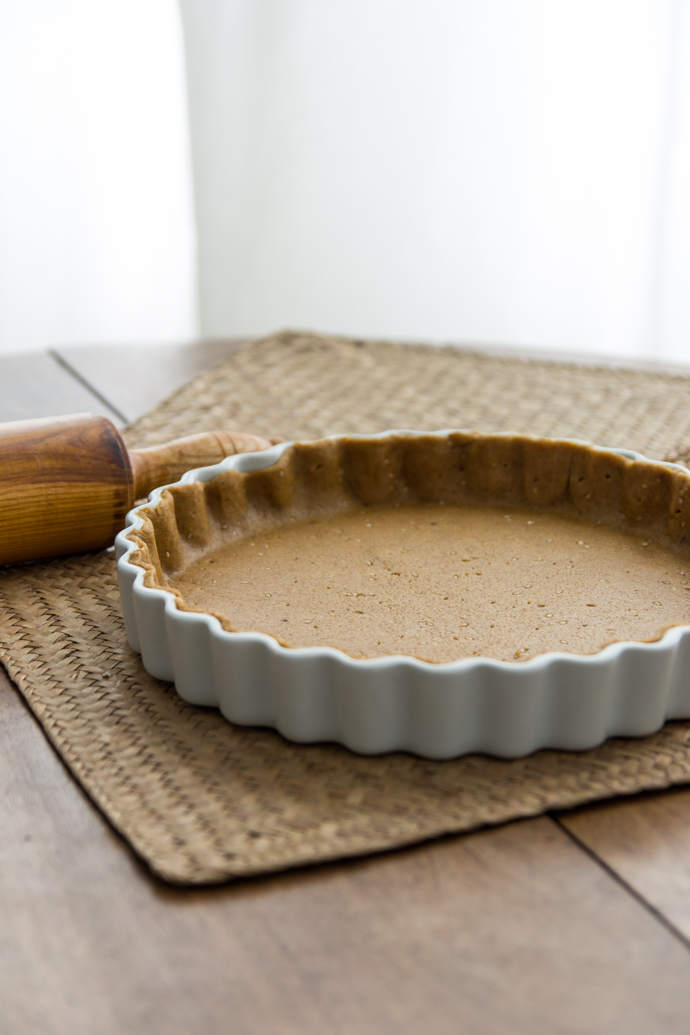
<point x="441" y="547"/>
<point x="444" y="582"/>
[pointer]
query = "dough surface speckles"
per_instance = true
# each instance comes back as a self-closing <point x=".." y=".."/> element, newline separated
<point x="385" y="581"/>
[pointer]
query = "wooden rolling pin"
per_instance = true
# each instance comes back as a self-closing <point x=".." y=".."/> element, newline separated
<point x="66" y="483"/>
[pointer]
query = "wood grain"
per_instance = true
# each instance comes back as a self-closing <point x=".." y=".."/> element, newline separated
<point x="68" y="482"/>
<point x="504" y="931"/>
<point x="66" y="486"/>
<point x="646" y="841"/>
<point x="161" y="465"/>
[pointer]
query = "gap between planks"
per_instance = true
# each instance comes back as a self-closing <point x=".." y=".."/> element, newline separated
<point x="507" y="930"/>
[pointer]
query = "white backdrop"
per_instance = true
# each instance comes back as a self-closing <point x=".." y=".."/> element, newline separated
<point x="477" y="170"/>
<point x="467" y="170"/>
<point x="97" y="237"/>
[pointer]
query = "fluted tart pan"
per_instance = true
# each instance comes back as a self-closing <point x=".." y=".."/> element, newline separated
<point x="586" y="521"/>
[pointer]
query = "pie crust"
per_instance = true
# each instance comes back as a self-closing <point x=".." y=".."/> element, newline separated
<point x="476" y="552"/>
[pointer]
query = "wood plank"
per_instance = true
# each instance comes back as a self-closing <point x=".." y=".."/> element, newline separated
<point x="646" y="841"/>
<point x="504" y="931"/>
<point x="35" y="385"/>
<point x="135" y="378"/>
<point x="508" y="930"/>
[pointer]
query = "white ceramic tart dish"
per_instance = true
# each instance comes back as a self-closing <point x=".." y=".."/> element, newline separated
<point x="551" y="613"/>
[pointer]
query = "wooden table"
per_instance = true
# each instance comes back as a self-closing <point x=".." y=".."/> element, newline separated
<point x="571" y="923"/>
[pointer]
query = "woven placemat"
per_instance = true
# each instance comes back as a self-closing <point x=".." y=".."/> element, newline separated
<point x="201" y="800"/>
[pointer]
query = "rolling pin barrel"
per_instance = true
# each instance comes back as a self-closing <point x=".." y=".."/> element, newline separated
<point x="66" y="483"/>
<point x="65" y="486"/>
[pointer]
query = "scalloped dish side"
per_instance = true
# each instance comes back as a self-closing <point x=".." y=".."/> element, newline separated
<point x="319" y="589"/>
<point x="439" y="547"/>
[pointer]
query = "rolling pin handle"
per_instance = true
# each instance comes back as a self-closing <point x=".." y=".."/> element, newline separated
<point x="164" y="464"/>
